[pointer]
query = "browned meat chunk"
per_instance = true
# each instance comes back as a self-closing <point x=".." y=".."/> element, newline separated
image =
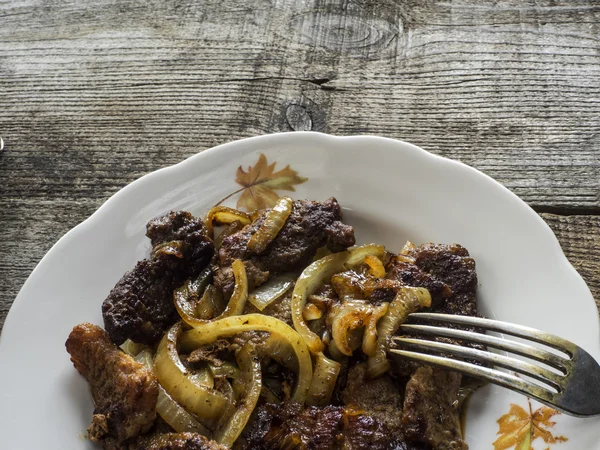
<point x="430" y="414"/>
<point x="310" y="226"/>
<point x="409" y="274"/>
<point x="332" y="427"/>
<point x="124" y="391"/>
<point x="381" y="397"/>
<point x="140" y="307"/>
<point x="452" y="265"/>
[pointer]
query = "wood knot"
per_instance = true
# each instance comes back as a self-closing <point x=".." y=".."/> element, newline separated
<point x="298" y="118"/>
<point x="349" y="34"/>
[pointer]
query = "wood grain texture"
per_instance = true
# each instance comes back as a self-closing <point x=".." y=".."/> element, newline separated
<point x="95" y="93"/>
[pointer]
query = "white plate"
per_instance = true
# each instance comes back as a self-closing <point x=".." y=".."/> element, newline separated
<point x="391" y="191"/>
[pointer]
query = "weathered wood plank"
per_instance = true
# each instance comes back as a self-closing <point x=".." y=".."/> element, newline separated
<point x="95" y="93"/>
<point x="579" y="237"/>
<point x="89" y="89"/>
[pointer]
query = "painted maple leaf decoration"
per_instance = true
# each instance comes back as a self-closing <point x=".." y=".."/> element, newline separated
<point x="519" y="428"/>
<point x="261" y="181"/>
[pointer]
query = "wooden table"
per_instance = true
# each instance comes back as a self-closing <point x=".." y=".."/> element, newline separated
<point x="96" y="93"/>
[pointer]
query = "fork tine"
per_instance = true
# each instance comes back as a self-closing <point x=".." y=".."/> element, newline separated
<point x="503" y="327"/>
<point x="494" y="376"/>
<point x="539" y="373"/>
<point x="492" y="341"/>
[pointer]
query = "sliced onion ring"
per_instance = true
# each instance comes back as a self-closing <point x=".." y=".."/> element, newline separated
<point x="229" y="326"/>
<point x="407" y="300"/>
<point x="270" y="291"/>
<point x="350" y="317"/>
<point x="168" y="409"/>
<point x="369" y="343"/>
<point x="375" y="265"/>
<point x="272" y="225"/>
<point x="316" y="274"/>
<point x="223" y="215"/>
<point x="358" y="254"/>
<point x="251" y="379"/>
<point x="236" y="304"/>
<point x="323" y="382"/>
<point x="206" y="403"/>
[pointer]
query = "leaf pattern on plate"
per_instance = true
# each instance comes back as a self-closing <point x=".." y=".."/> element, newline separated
<point x="519" y="428"/>
<point x="260" y="183"/>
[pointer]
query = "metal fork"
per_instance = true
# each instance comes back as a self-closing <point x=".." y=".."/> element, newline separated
<point x="573" y="388"/>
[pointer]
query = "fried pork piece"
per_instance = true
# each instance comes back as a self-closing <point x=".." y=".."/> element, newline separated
<point x="295" y="426"/>
<point x="311" y="225"/>
<point x="124" y="391"/>
<point x="381" y="397"/>
<point x="140" y="306"/>
<point x="452" y="265"/>
<point x="430" y="414"/>
<point x="447" y="271"/>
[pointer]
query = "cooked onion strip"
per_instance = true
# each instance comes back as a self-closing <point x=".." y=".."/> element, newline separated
<point x="223" y="215"/>
<point x="229" y="326"/>
<point x="206" y="403"/>
<point x="281" y="351"/>
<point x="318" y="273"/>
<point x="210" y="304"/>
<point x="369" y="343"/>
<point x="270" y="291"/>
<point x="311" y="312"/>
<point x="225" y="370"/>
<point x="187" y="297"/>
<point x="375" y="265"/>
<point x="234" y="307"/>
<point x="350" y="316"/>
<point x="202" y="377"/>
<point x="251" y="379"/>
<point x="272" y="225"/>
<point x="323" y="382"/>
<point x="168" y="409"/>
<point x="311" y="278"/>
<point x="358" y="254"/>
<point x="408" y="300"/>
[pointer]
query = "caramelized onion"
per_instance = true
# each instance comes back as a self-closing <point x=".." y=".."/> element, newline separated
<point x="168" y="409"/>
<point x="310" y="279"/>
<point x="223" y="215"/>
<point x="272" y="225"/>
<point x="323" y="382"/>
<point x="236" y="304"/>
<point x="375" y="265"/>
<point x="408" y="300"/>
<point x="251" y="380"/>
<point x="316" y="274"/>
<point x="358" y="254"/>
<point x="311" y="312"/>
<point x="270" y="291"/>
<point x="369" y="343"/>
<point x="229" y="326"/>
<point x="206" y="403"/>
<point x="350" y="316"/>
<point x="210" y="304"/>
<point x="224" y="370"/>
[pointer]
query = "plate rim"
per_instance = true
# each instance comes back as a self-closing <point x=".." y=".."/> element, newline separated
<point x="114" y="198"/>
